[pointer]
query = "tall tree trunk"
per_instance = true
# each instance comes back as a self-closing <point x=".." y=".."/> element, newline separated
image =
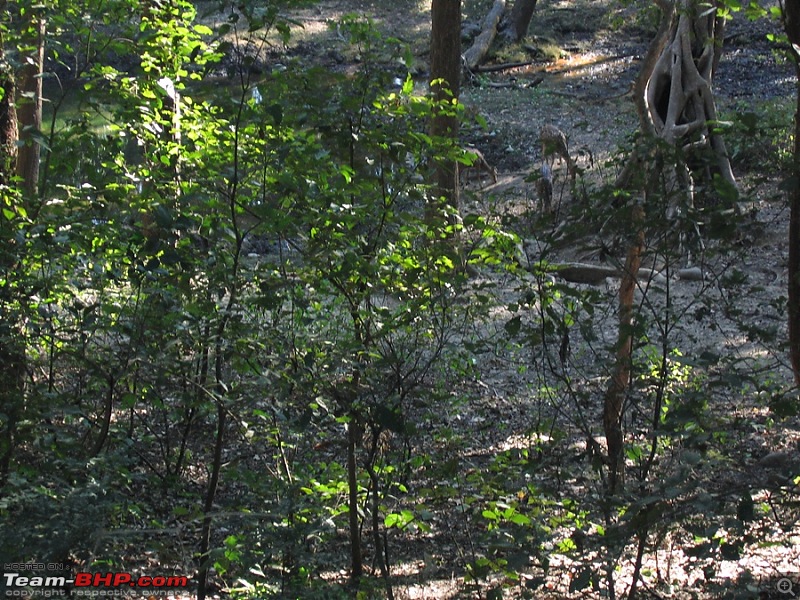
<point x="24" y="126"/>
<point x="620" y="379"/>
<point x="791" y="23"/>
<point x="208" y="504"/>
<point x="613" y="402"/>
<point x="512" y="28"/>
<point x="515" y="27"/>
<point x="356" y="558"/>
<point x="29" y="109"/>
<point x="12" y="356"/>
<point x="445" y="86"/>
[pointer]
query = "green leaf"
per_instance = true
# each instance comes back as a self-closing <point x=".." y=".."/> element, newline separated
<point x="276" y="112"/>
<point x="519" y="519"/>
<point x="391" y="520"/>
<point x="408" y="85"/>
<point x="513" y="325"/>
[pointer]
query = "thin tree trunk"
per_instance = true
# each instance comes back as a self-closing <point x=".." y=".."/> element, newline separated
<point x="620" y="378"/>
<point x="208" y="506"/>
<point x="614" y="399"/>
<point x="791" y="24"/>
<point x="381" y="552"/>
<point x="356" y="560"/>
<point x="794" y="251"/>
<point x="108" y="413"/>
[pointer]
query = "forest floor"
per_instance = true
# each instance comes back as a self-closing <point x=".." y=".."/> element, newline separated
<point x="588" y="58"/>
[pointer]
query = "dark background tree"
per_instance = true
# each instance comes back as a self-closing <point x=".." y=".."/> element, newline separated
<point x="11" y="354"/>
<point x="445" y="85"/>
<point x="515" y="27"/>
<point x="20" y="131"/>
<point x="29" y="98"/>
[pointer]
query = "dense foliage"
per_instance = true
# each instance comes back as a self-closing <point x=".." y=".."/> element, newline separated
<point x="246" y="329"/>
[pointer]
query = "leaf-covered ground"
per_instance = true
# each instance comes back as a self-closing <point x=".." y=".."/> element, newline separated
<point x="518" y="438"/>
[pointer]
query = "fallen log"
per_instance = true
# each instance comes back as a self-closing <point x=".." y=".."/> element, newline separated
<point x="585" y="273"/>
<point x="474" y="55"/>
<point x="502" y="67"/>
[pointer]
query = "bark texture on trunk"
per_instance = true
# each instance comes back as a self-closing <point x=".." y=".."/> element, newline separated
<point x="29" y="112"/>
<point x="8" y="122"/>
<point x="614" y="400"/>
<point x="515" y="27"/>
<point x="12" y="350"/>
<point x="678" y="98"/>
<point x="445" y="84"/>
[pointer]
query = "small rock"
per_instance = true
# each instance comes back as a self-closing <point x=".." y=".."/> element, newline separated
<point x="777" y="460"/>
<point x="691" y="274"/>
